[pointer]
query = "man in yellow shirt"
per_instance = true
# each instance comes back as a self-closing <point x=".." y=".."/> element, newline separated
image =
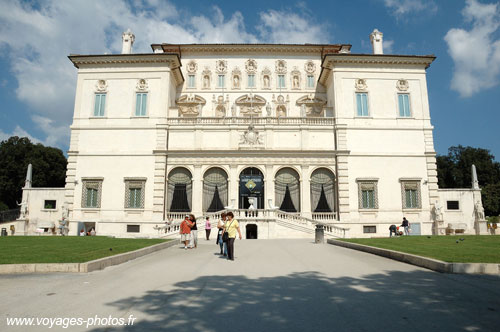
<point x="231" y="226"/>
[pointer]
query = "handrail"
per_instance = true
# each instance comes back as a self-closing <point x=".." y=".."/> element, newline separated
<point x="253" y="120"/>
<point x="260" y="214"/>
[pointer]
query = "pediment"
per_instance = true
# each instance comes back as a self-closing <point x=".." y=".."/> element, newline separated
<point x="311" y="100"/>
<point x="190" y="105"/>
<point x="191" y="99"/>
<point x="248" y="99"/>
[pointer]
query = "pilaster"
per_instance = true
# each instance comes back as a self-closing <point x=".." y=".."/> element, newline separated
<point x="197" y="200"/>
<point x="305" y="192"/>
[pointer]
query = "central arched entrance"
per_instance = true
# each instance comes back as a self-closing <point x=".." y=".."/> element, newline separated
<point x="251" y="185"/>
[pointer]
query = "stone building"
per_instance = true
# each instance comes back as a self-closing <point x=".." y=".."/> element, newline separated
<point x="309" y="133"/>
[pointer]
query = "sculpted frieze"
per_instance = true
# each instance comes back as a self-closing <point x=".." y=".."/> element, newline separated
<point x="190" y="105"/>
<point x="250" y="104"/>
<point x="311" y="105"/>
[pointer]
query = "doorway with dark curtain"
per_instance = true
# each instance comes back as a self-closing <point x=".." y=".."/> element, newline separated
<point x="179" y="199"/>
<point x="251" y="232"/>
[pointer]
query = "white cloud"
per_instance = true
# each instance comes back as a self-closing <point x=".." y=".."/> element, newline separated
<point x="475" y="52"/>
<point x="38" y="38"/>
<point x="288" y="27"/>
<point x="388" y="46"/>
<point x="401" y="8"/>
<point x="20" y="132"/>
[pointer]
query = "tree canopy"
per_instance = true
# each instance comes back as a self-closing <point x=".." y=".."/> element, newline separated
<point x="49" y="168"/>
<point x="454" y="171"/>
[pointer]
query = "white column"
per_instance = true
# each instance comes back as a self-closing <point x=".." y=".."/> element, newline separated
<point x="268" y="187"/>
<point x="233" y="186"/>
<point x="197" y="198"/>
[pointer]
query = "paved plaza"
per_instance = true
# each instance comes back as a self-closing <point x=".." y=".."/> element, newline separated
<point x="273" y="285"/>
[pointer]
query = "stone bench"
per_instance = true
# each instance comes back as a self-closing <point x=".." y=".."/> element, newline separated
<point x="458" y="228"/>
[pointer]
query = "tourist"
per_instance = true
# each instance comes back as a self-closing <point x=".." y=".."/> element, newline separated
<point x="82" y="232"/>
<point x="185" y="230"/>
<point x="406" y="226"/>
<point x="208" y="228"/>
<point x="231" y="226"/>
<point x="92" y="232"/>
<point x="220" y="226"/>
<point x="393" y="229"/>
<point x="194" y="232"/>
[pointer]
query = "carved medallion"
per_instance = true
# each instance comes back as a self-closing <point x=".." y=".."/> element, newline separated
<point x="360" y="84"/>
<point x="280" y="66"/>
<point x="221" y="66"/>
<point x="251" y="66"/>
<point x="310" y="67"/>
<point x="142" y="85"/>
<point x="402" y="85"/>
<point x="251" y="136"/>
<point x="192" y="66"/>
<point x="101" y="86"/>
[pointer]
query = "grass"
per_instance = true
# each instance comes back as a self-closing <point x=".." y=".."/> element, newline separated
<point x="473" y="249"/>
<point x="65" y="249"/>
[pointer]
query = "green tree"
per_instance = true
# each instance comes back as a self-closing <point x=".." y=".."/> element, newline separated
<point x="49" y="167"/>
<point x="454" y="171"/>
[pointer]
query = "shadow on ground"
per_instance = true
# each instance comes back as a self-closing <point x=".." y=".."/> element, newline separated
<point x="392" y="301"/>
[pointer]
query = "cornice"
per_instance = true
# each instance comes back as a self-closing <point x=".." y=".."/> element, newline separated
<point x="320" y="49"/>
<point x="331" y="60"/>
<point x="172" y="60"/>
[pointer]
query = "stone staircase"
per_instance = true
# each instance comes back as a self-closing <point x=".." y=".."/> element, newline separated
<point x="289" y="220"/>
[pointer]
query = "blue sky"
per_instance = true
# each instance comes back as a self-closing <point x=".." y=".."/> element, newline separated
<point x="37" y="81"/>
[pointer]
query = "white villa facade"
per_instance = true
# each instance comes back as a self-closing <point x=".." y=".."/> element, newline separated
<point x="310" y="133"/>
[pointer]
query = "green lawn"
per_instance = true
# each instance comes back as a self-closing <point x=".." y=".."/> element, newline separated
<point x="65" y="249"/>
<point x="473" y="249"/>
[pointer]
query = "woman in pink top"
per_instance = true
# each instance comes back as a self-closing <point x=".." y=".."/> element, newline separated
<point x="208" y="228"/>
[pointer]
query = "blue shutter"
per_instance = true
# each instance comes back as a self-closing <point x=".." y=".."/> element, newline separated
<point x="144" y="104"/>
<point x="100" y="102"/>
<point x="404" y="105"/>
<point x="362" y="104"/>
<point x="364" y="97"/>
<point x="141" y="104"/>
<point x="103" y="102"/>
<point x="138" y="105"/>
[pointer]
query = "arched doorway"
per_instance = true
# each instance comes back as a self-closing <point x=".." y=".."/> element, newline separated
<point x="214" y="190"/>
<point x="179" y="194"/>
<point x="251" y="232"/>
<point x="287" y="190"/>
<point x="323" y="191"/>
<point x="251" y="185"/>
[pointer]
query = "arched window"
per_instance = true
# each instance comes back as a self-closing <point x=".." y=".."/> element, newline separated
<point x="179" y="193"/>
<point x="322" y="190"/>
<point x="214" y="190"/>
<point x="287" y="190"/>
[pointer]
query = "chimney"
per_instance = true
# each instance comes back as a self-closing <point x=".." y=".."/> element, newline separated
<point x="376" y="40"/>
<point x="127" y="41"/>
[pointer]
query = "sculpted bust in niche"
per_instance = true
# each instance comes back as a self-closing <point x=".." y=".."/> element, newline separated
<point x="266" y="81"/>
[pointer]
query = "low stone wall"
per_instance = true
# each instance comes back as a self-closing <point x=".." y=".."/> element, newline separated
<point x="428" y="263"/>
<point x="94" y="265"/>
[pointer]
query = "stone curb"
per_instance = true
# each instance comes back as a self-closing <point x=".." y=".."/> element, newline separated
<point x="428" y="263"/>
<point x="90" y="266"/>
